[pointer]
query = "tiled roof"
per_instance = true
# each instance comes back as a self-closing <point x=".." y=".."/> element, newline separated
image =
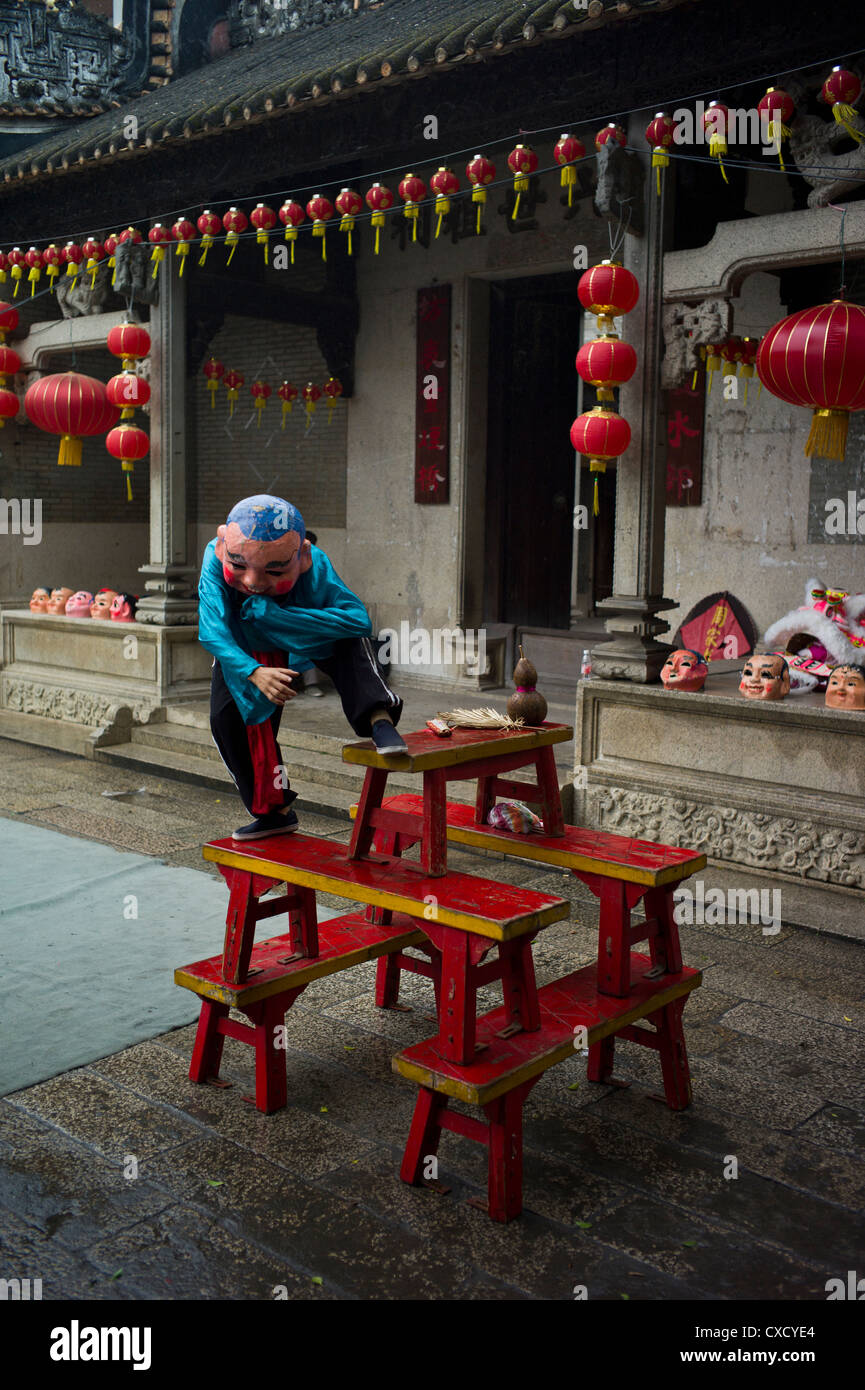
<point x="401" y="40"/>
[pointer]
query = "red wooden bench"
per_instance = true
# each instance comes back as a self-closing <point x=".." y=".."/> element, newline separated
<point x="509" y="1065"/>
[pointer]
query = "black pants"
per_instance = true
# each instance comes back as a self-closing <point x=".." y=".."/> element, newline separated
<point x="355" y="673"/>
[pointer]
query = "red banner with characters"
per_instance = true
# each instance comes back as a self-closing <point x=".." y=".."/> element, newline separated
<point x="686" y="409"/>
<point x="432" y="395"/>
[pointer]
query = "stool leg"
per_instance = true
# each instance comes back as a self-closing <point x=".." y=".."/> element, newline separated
<point x="271" y="1085"/>
<point x="664" y="947"/>
<point x="207" y="1051"/>
<point x="548" y="785"/>
<point x="239" y="928"/>
<point x="614" y="947"/>
<point x="433" y="849"/>
<point x="485" y="799"/>
<point x="519" y="989"/>
<point x="674" y="1055"/>
<point x="370" y="800"/>
<point x="505" y="1173"/>
<point x="387" y="977"/>
<point x="424" y="1134"/>
<point x="303" y="922"/>
<point x="457" y="1014"/>
<point x="601" y="1060"/>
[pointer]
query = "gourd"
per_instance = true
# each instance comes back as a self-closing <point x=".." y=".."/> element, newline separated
<point x="526" y="703"/>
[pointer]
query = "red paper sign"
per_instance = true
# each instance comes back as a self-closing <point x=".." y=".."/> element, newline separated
<point x="432" y="395"/>
<point x="685" y="418"/>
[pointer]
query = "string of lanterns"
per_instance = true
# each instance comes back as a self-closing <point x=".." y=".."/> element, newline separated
<point x="601" y="434"/>
<point x="261" y="391"/>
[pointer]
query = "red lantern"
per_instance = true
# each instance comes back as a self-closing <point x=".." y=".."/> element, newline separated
<point x="522" y="162"/>
<point x="731" y="356"/>
<point x="127" y="391"/>
<point x="263" y="220"/>
<point x="10" y="363"/>
<point x="291" y="215"/>
<point x="260" y="392"/>
<point x="320" y="209"/>
<point x="232" y="382"/>
<point x="608" y="290"/>
<point x="213" y="370"/>
<point x="776" y="111"/>
<point x="288" y="395"/>
<point x="605" y="363"/>
<point x="131" y="234"/>
<point x="234" y="223"/>
<point x="129" y="341"/>
<point x="33" y="258"/>
<point x="348" y="204"/>
<point x="51" y="262"/>
<point x="111" y="244"/>
<point x="444" y="184"/>
<point x="412" y="190"/>
<point x="600" y="435"/>
<point x="311" y="394"/>
<point x="816" y="358"/>
<point x="4" y="263"/>
<point x="209" y="225"/>
<point x="9" y="406"/>
<point x="127" y="443"/>
<point x="333" y="391"/>
<point x="841" y="89"/>
<point x="614" y="132"/>
<point x="71" y="256"/>
<point x="93" y="252"/>
<point x="716" y="123"/>
<point x="8" y="320"/>
<point x="660" y="134"/>
<point x="714" y="359"/>
<point x="568" y="149"/>
<point x="480" y="172"/>
<point x="378" y="199"/>
<point x="71" y="405"/>
<point x="158" y="236"/>
<point x="749" y="357"/>
<point x="183" y="231"/>
<point x="15" y="259"/>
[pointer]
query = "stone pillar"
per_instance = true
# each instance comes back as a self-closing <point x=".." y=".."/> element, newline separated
<point x="635" y="653"/>
<point x="168" y="578"/>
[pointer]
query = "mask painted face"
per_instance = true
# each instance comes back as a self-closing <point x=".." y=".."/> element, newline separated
<point x="846" y="688"/>
<point x="39" y="600"/>
<point x="101" y="605"/>
<point x="684" y="670"/>
<point x="79" y="604"/>
<point x="58" y="601"/>
<point x="270" y="567"/>
<point x="122" y="607"/>
<point x="765" y="678"/>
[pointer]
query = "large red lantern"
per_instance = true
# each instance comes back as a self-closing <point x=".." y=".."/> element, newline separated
<point x="235" y="223"/>
<point x="776" y="111"/>
<point x="9" y="364"/>
<point x="348" y="205"/>
<point x="568" y="149"/>
<point x="71" y="405"/>
<point x="291" y="215"/>
<point x="183" y="231"/>
<point x="209" y="224"/>
<point x="412" y="190"/>
<point x="263" y="220"/>
<point x="716" y="123"/>
<point x="288" y="395"/>
<point x="522" y="162"/>
<point x="841" y="90"/>
<point x="816" y="358"/>
<point x="320" y="209"/>
<point x="660" y="133"/>
<point x="444" y="184"/>
<point x="8" y="320"/>
<point x="608" y="290"/>
<point x="9" y="406"/>
<point x="606" y="363"/>
<point x="378" y="199"/>
<point x="480" y="171"/>
<point x="127" y="443"/>
<point x="600" y="435"/>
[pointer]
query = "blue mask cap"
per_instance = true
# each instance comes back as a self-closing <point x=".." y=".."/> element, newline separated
<point x="266" y="518"/>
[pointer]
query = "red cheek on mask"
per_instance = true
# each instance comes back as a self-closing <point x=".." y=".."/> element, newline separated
<point x="283" y="586"/>
<point x="229" y="576"/>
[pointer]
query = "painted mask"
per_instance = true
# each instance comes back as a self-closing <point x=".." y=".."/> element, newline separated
<point x="39" y="600"/>
<point x="58" y="601"/>
<point x="684" y="670"/>
<point x="123" y="608"/>
<point x="262" y="546"/>
<point x="846" y="688"/>
<point x="101" y="605"/>
<point x="765" y="677"/>
<point x="79" y="604"/>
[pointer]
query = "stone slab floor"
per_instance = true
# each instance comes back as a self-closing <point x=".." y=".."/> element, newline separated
<point x="621" y="1195"/>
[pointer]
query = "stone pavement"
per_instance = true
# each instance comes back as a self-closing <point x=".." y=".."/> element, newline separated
<point x="621" y="1195"/>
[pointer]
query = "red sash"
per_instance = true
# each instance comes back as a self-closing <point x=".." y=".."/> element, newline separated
<point x="267" y="795"/>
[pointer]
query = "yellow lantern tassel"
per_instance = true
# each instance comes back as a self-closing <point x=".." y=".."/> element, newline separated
<point x="521" y="186"/>
<point x="443" y="207"/>
<point x="286" y="409"/>
<point x="717" y="148"/>
<point x="845" y="115"/>
<point x="182" y="251"/>
<point x="660" y="160"/>
<point x="52" y="273"/>
<point x="411" y="212"/>
<point x="828" y="436"/>
<point x="262" y="239"/>
<point x="70" y="452"/>
<point x="259" y="406"/>
<point x="157" y="256"/>
<point x="569" y="178"/>
<point x="319" y="229"/>
<point x="213" y="387"/>
<point x="702" y="355"/>
<point x="479" y="196"/>
<point x="112" y="266"/>
<point x="16" y="276"/>
<point x="34" y="277"/>
<point x="233" y="395"/>
<point x="231" y="240"/>
<point x="206" y="243"/>
<point x="127" y="467"/>
<point x="347" y="225"/>
<point x="596" y="466"/>
<point x="330" y="405"/>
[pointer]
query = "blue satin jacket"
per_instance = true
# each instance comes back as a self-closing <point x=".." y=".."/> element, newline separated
<point x="304" y="623"/>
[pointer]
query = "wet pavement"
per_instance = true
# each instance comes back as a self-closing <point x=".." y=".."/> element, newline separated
<point x="124" y="1180"/>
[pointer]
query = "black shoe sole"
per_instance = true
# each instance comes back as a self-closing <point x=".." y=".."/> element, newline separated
<point x="266" y="834"/>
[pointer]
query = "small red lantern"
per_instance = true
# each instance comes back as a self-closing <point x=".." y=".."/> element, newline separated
<point x="841" y="90"/>
<point x="660" y="133"/>
<point x="213" y="370"/>
<point x="260" y="392"/>
<point x="111" y="243"/>
<point x="127" y="391"/>
<point x="127" y="443"/>
<point x="320" y="209"/>
<point x="71" y="405"/>
<point x="9" y="406"/>
<point x="33" y="258"/>
<point x="749" y="357"/>
<point x="71" y="256"/>
<point x="716" y="123"/>
<point x="600" y="435"/>
<point x="333" y="391"/>
<point x="93" y="252"/>
<point x="288" y="395"/>
<point x="51" y="262"/>
<point x="713" y="362"/>
<point x="183" y="231"/>
<point x="776" y="111"/>
<point x="263" y="220"/>
<point x="614" y="132"/>
<point x="731" y="356"/>
<point x="131" y="234"/>
<point x="209" y="225"/>
<point x="128" y="341"/>
<point x="412" y="190"/>
<point x="608" y="290"/>
<point x="606" y="363"/>
<point x="348" y="204"/>
<point x="158" y="236"/>
<point x="232" y="382"/>
<point x="16" y="260"/>
<point x="8" y="320"/>
<point x="444" y="184"/>
<point x="10" y="363"/>
<point x="816" y="358"/>
<point x="568" y="149"/>
<point x="235" y="222"/>
<point x="311" y="394"/>
<point x="291" y="215"/>
<point x="4" y="264"/>
<point x="522" y="162"/>
<point x="480" y="171"/>
<point x="378" y="199"/>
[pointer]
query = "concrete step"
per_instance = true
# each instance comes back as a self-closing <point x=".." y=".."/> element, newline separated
<point x="196" y="737"/>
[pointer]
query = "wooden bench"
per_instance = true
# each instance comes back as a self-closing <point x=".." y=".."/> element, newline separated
<point x="618" y="870"/>
<point x="277" y="975"/>
<point x="503" y="1074"/>
<point x="461" y="915"/>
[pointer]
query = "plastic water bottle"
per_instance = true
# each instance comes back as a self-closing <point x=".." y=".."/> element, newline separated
<point x="586" y="666"/>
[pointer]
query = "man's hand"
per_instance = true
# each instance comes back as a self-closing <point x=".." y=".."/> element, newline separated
<point x="274" y="682"/>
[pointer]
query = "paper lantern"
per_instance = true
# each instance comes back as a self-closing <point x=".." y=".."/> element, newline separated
<point x="129" y="341"/>
<point x="8" y="320"/>
<point x="567" y="150"/>
<point x="288" y="395"/>
<point x="235" y="222"/>
<point x="311" y="394"/>
<point x="263" y="220"/>
<point x="731" y="356"/>
<point x="348" y="205"/>
<point x="213" y="370"/>
<point x="320" y="209"/>
<point x="444" y="184"/>
<point x="378" y="199"/>
<point x="260" y="392"/>
<point x="33" y="259"/>
<point x="158" y="236"/>
<point x="51" y="262"/>
<point x="776" y="111"/>
<point x="333" y="391"/>
<point x="183" y="231"/>
<point x="209" y="225"/>
<point x="611" y="132"/>
<point x="816" y="358"/>
<point x="232" y="381"/>
<point x="9" y="406"/>
<point x="71" y="405"/>
<point x="291" y="215"/>
<point x="412" y="190"/>
<point x="713" y="362"/>
<point x="600" y="435"/>
<point x="660" y="133"/>
<point x="93" y="252"/>
<point x="749" y="357"/>
<point x="72" y="256"/>
<point x="522" y="162"/>
<point x="608" y="290"/>
<point x="606" y="363"/>
<point x="127" y="391"/>
<point x="10" y="363"/>
<point x="480" y="171"/>
<point x="131" y="234"/>
<point x="716" y="123"/>
<point x="127" y="443"/>
<point x="4" y="266"/>
<point x="841" y="90"/>
<point x="15" y="258"/>
<point x="111" y="243"/>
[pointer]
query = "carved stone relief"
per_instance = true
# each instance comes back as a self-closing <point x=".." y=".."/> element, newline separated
<point x="686" y="329"/>
<point x="75" y="706"/>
